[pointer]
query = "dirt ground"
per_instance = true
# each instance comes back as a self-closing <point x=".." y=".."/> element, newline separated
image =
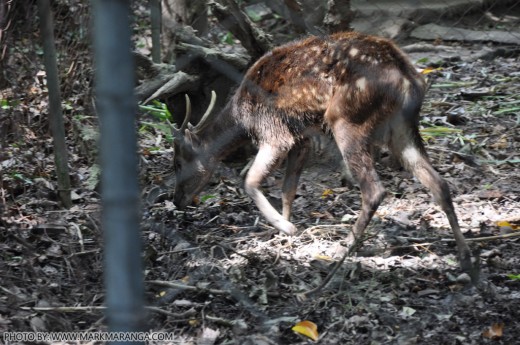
<point x="217" y="273"/>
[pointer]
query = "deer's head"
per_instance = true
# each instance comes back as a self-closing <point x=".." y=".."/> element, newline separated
<point x="192" y="163"/>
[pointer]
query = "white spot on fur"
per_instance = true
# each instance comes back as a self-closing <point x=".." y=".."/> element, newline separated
<point x="353" y="52"/>
<point x="361" y="84"/>
<point x="394" y="76"/>
<point x="316" y="49"/>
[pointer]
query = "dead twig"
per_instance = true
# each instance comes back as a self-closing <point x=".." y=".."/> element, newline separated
<point x="357" y="243"/>
<point x="187" y="287"/>
<point x="487" y="238"/>
<point x="69" y="309"/>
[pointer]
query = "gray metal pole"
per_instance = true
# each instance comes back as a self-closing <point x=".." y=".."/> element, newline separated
<point x="119" y="178"/>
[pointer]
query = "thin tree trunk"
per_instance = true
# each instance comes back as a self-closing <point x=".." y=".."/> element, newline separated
<point x="155" y="17"/>
<point x="55" y="112"/>
<point x="181" y="13"/>
<point x="339" y="16"/>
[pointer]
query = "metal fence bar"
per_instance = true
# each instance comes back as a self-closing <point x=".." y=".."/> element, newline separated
<point x="120" y="190"/>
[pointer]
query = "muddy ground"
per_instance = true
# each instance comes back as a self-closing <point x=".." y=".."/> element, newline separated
<point x="217" y="273"/>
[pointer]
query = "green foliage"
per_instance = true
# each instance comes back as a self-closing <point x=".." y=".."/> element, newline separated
<point x="513" y="276"/>
<point x="21" y="177"/>
<point x="228" y="38"/>
<point x="8" y="104"/>
<point x="163" y="128"/>
<point x="93" y="177"/>
<point x="206" y="197"/>
<point x="455" y="134"/>
<point x="157" y="110"/>
<point x="160" y="112"/>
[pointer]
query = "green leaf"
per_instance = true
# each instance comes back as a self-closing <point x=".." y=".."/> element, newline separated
<point x="506" y="111"/>
<point x="4" y="103"/>
<point x="93" y="178"/>
<point x="228" y="38"/>
<point x="207" y="197"/>
<point x="513" y="276"/>
<point x="20" y="177"/>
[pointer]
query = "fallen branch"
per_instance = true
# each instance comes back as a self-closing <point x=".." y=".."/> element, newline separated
<point x="180" y="82"/>
<point x="254" y="39"/>
<point x="187" y="287"/>
<point x="68" y="309"/>
<point x="487" y="238"/>
<point x="236" y="60"/>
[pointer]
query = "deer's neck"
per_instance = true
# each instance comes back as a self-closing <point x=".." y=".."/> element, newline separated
<point x="221" y="134"/>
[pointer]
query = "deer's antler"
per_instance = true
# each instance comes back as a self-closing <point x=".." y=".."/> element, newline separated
<point x="207" y="114"/>
<point x="188" y="113"/>
<point x="186" y="122"/>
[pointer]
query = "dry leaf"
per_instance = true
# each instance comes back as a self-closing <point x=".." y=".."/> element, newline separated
<point x="429" y="70"/>
<point x="494" y="332"/>
<point x="323" y="257"/>
<point x="501" y="143"/>
<point x="321" y="215"/>
<point x="327" y="193"/>
<point x="506" y="223"/>
<point x="307" y="328"/>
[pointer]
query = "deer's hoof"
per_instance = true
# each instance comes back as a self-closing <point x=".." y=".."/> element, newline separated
<point x="286" y="227"/>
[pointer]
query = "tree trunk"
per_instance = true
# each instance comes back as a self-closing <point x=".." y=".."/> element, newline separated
<point x="316" y="17"/>
<point x="339" y="16"/>
<point x="182" y="13"/>
<point x="155" y="18"/>
<point x="55" y="113"/>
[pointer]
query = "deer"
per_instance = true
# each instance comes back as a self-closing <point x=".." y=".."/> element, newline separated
<point x="360" y="89"/>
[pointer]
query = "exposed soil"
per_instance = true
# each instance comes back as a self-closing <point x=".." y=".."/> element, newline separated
<point x="233" y="279"/>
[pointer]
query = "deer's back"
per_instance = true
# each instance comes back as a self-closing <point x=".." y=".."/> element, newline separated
<point x="361" y="77"/>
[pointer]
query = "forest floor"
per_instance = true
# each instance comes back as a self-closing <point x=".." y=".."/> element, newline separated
<point x="217" y="273"/>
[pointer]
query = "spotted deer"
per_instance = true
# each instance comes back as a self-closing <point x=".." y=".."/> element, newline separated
<point x="361" y="89"/>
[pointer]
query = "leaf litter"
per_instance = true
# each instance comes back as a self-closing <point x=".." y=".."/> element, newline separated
<point x="217" y="272"/>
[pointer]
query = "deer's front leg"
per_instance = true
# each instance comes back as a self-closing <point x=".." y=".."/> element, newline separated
<point x="265" y="161"/>
<point x="295" y="162"/>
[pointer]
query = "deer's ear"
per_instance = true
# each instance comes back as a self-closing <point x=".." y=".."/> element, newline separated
<point x="191" y="138"/>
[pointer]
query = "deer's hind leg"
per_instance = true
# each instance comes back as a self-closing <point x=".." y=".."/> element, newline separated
<point x="356" y="149"/>
<point x="295" y="162"/>
<point x="266" y="160"/>
<point x="410" y="149"/>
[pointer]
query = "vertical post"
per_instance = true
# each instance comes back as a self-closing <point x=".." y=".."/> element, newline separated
<point x="155" y="17"/>
<point x="55" y="112"/>
<point x="119" y="170"/>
